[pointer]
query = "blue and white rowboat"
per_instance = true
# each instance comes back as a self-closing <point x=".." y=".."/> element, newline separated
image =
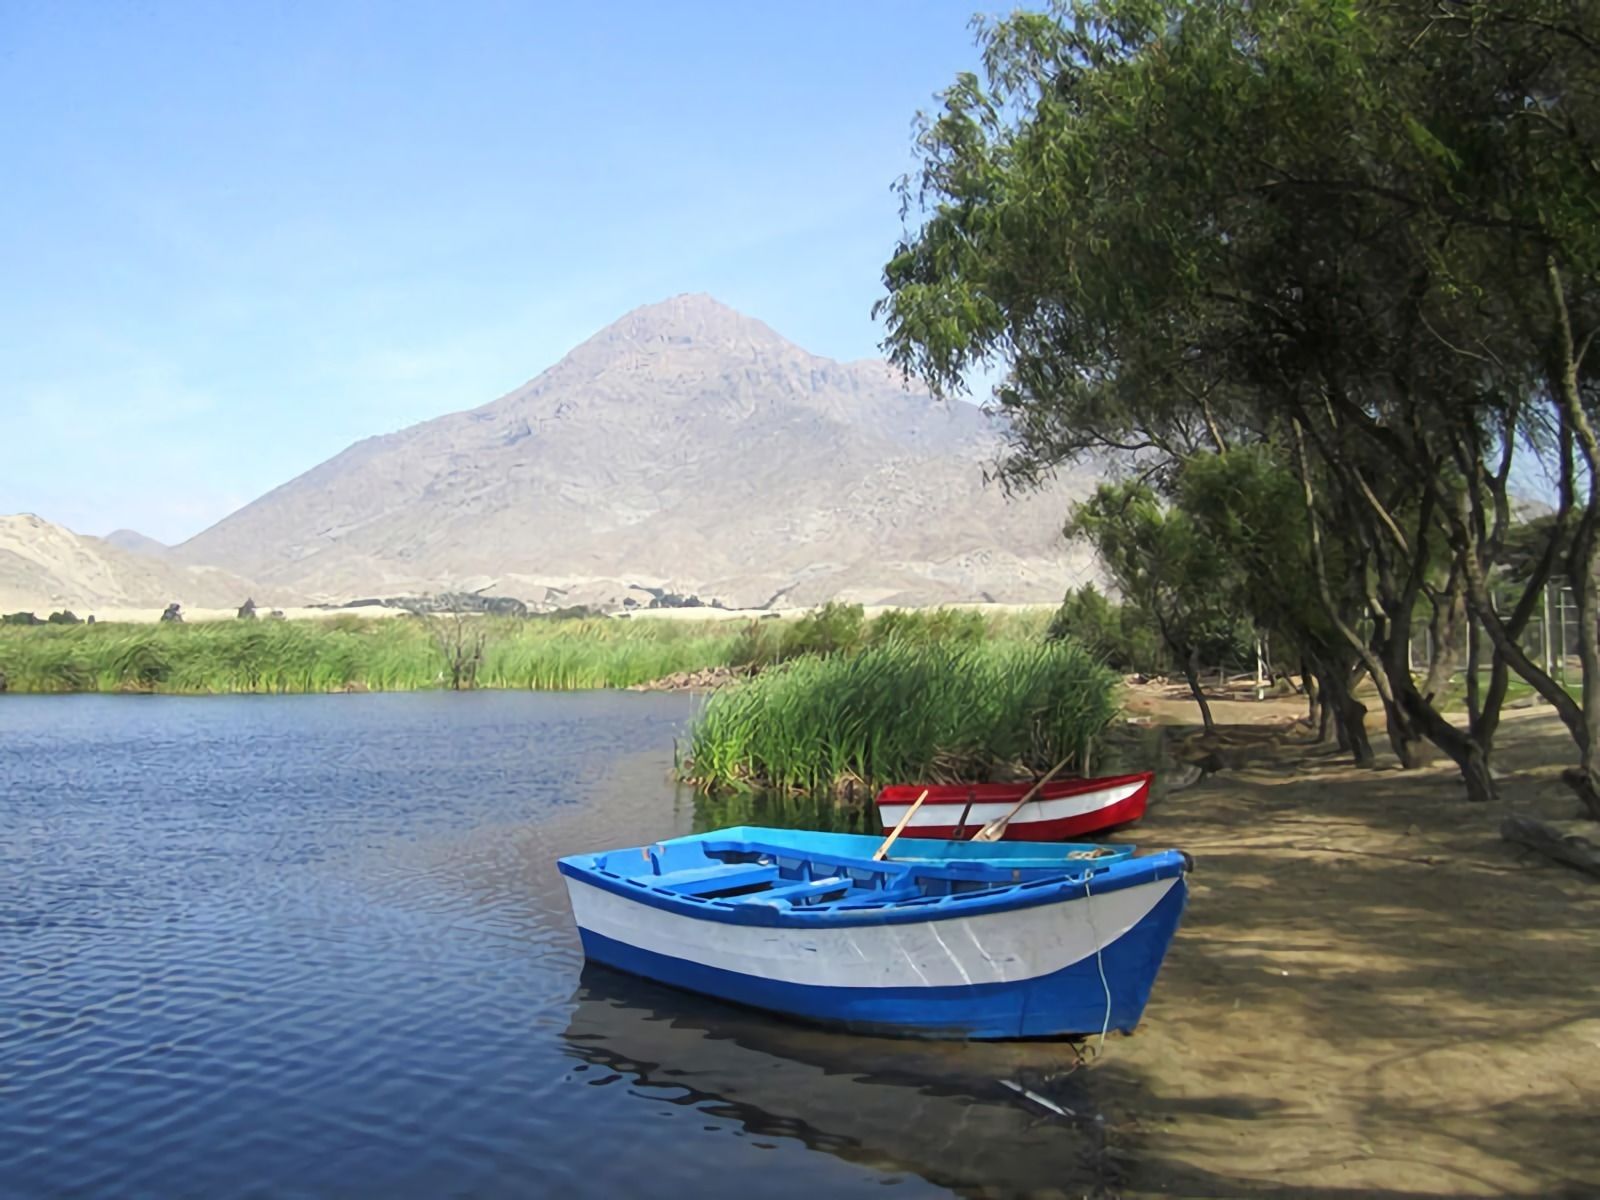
<point x="958" y="940"/>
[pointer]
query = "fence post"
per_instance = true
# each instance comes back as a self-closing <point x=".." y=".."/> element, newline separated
<point x="1549" y="661"/>
<point x="1261" y="662"/>
<point x="1561" y="602"/>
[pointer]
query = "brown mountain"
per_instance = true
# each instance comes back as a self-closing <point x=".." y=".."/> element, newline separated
<point x="686" y="446"/>
<point x="44" y="567"/>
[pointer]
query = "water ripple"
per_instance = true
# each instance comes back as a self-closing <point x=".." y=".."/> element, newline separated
<point x="317" y="946"/>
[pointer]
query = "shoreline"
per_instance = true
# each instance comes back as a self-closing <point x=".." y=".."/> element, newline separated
<point x="1372" y="993"/>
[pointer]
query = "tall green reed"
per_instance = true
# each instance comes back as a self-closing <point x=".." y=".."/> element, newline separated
<point x="903" y="710"/>
<point x="401" y="654"/>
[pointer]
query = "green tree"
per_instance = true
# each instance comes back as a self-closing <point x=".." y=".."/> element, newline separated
<point x="1358" y="235"/>
<point x="1164" y="565"/>
<point x="1123" y="635"/>
<point x="1238" y="501"/>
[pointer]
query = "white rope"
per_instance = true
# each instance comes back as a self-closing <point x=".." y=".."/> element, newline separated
<point x="1099" y="962"/>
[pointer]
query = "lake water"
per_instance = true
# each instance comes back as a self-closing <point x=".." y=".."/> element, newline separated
<point x="318" y="946"/>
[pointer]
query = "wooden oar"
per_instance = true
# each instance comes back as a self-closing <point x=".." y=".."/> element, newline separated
<point x="996" y="829"/>
<point x="883" y="850"/>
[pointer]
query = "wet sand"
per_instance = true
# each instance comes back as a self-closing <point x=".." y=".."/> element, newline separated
<point x="1372" y="993"/>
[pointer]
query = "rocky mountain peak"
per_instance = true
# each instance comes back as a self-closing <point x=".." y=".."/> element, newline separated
<point x="687" y="318"/>
<point x="684" y="446"/>
<point x="681" y="330"/>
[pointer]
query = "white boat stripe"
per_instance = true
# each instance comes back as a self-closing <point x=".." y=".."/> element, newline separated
<point x="1059" y="808"/>
<point x="1000" y="947"/>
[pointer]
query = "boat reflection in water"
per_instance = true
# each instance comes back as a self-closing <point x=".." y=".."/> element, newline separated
<point x="939" y="1110"/>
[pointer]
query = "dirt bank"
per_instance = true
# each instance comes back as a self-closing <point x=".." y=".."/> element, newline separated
<point x="1372" y="994"/>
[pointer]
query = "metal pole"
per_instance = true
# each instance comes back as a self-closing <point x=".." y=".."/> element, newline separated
<point x="1549" y="663"/>
<point x="1561" y="601"/>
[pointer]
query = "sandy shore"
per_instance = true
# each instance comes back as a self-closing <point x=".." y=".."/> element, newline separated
<point x="1372" y="994"/>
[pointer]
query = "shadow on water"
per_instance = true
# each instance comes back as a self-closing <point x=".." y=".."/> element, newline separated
<point x="938" y="1110"/>
<point x="783" y="810"/>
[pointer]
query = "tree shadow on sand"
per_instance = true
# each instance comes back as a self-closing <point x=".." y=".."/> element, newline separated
<point x="1370" y="991"/>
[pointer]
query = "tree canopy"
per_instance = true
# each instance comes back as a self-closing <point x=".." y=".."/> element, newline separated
<point x="1355" y="240"/>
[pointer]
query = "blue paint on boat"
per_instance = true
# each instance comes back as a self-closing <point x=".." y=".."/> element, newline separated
<point x="979" y="940"/>
<point x="1054" y="856"/>
<point x="1066" y="1002"/>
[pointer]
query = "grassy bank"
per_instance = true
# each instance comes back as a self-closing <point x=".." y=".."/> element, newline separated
<point x="347" y="652"/>
<point x="404" y="654"/>
<point x="937" y="694"/>
<point x="903" y="710"/>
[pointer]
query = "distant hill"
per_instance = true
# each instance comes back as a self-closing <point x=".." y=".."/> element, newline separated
<point x="685" y="447"/>
<point x="44" y="567"/>
<point x="135" y="542"/>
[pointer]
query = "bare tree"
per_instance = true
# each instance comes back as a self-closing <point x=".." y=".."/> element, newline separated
<point x="461" y="638"/>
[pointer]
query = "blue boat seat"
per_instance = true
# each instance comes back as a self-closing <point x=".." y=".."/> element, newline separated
<point x="791" y="892"/>
<point x="888" y="895"/>
<point x="720" y="877"/>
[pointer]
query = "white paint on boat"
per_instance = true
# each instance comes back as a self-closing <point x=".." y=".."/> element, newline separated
<point x="1057" y="809"/>
<point x="1001" y="947"/>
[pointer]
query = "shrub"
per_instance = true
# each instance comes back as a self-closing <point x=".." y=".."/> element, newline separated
<point x="1121" y="635"/>
<point x="830" y="629"/>
<point x="941" y="626"/>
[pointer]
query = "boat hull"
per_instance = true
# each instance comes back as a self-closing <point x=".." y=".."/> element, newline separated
<point x="1060" y="812"/>
<point x="1076" y="966"/>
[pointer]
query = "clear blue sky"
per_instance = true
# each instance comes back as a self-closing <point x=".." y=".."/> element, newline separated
<point x="237" y="237"/>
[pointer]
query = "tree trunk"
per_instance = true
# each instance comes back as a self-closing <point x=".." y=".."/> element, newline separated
<point x="1330" y="725"/>
<point x="1474" y="699"/>
<point x="1403" y="740"/>
<point x="1355" y="727"/>
<point x="1484" y="723"/>
<point x="1349" y="715"/>
<point x="1315" y="712"/>
<point x="1392" y="648"/>
<point x="1586" y="779"/>
<point x="1582" y="560"/>
<point x="1464" y="750"/>
<point x="1449" y="608"/>
<point x="1474" y="767"/>
<point x="1191" y="672"/>
<point x="1570" y="849"/>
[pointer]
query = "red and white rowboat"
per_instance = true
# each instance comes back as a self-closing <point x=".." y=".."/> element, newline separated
<point x="1062" y="809"/>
